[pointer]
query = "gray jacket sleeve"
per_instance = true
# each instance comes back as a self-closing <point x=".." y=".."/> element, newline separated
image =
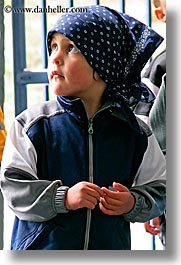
<point x="29" y="197"/>
<point x="149" y="188"/>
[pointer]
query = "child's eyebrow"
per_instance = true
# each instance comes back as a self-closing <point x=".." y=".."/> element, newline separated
<point x="64" y="41"/>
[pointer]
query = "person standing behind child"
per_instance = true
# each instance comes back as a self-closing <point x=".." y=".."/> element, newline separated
<point x="157" y="115"/>
<point x="77" y="170"/>
<point x="158" y="125"/>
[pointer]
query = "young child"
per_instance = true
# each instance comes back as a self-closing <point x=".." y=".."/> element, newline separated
<point x="77" y="170"/>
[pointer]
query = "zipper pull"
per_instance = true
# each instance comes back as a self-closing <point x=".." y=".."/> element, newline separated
<point x="90" y="127"/>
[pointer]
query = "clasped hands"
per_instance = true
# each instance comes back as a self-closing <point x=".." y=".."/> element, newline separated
<point x="86" y="194"/>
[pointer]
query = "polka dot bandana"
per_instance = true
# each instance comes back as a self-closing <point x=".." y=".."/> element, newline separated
<point x="116" y="45"/>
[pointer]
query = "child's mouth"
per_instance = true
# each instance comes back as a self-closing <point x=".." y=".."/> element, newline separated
<point x="57" y="74"/>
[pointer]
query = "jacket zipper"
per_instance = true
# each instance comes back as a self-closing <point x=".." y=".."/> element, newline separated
<point x="90" y="132"/>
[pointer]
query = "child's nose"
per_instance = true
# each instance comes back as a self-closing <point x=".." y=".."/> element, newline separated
<point x="57" y="57"/>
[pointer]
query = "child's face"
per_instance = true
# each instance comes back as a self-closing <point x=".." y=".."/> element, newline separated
<point x="69" y="73"/>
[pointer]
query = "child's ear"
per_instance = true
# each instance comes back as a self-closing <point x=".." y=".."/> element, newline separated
<point x="160" y="14"/>
<point x="96" y="76"/>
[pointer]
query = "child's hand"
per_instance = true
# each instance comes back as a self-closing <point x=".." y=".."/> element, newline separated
<point x="83" y="194"/>
<point x="116" y="202"/>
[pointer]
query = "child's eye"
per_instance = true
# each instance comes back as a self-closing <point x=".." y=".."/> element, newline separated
<point x="54" y="48"/>
<point x="72" y="49"/>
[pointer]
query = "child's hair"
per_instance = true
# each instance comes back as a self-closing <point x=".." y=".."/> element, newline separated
<point x="116" y="45"/>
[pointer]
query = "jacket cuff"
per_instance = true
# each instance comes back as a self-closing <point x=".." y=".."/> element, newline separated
<point x="60" y="199"/>
<point x="131" y="216"/>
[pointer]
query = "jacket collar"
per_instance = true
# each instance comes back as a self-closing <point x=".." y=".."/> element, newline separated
<point x="117" y="109"/>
